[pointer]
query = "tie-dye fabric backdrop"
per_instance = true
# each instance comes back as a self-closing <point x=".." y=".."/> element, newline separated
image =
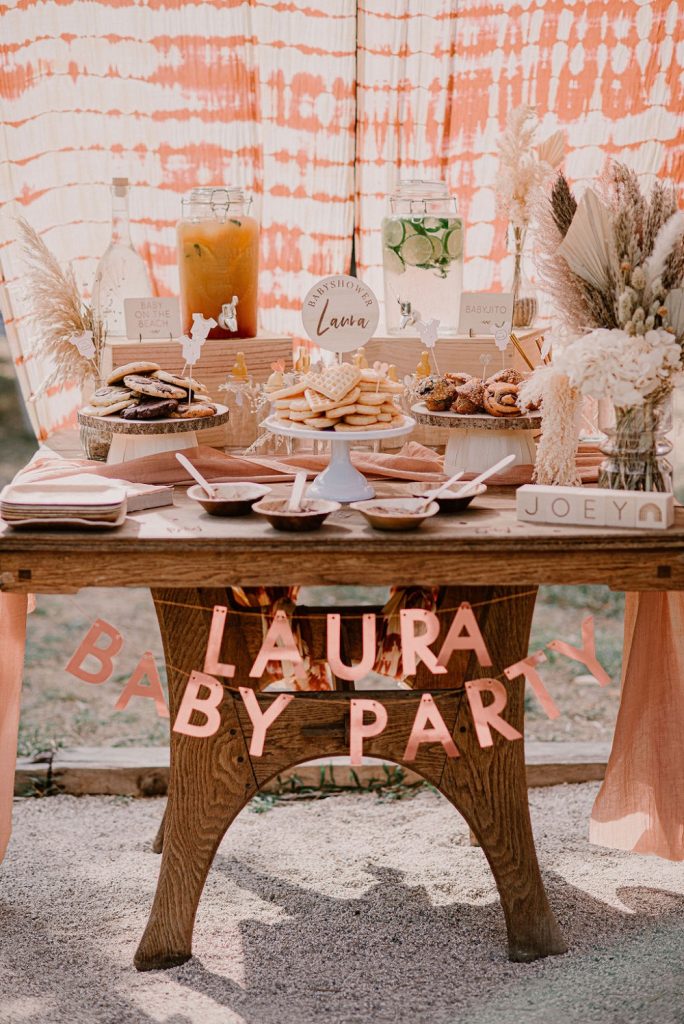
<point x="316" y="108"/>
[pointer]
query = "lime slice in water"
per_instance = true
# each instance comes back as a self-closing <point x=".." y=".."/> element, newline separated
<point x="416" y="249"/>
<point x="393" y="233"/>
<point x="437" y="247"/>
<point x="432" y="224"/>
<point x="392" y="262"/>
<point x="454" y="243"/>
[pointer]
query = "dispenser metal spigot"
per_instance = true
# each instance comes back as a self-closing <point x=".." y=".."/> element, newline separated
<point x="227" y="318"/>
<point x="407" y="315"/>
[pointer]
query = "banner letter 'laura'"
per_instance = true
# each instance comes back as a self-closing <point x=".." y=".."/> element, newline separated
<point x="212" y="665"/>
<point x="207" y="706"/>
<point x="527" y="668"/>
<point x="587" y="655"/>
<point x="464" y="619"/>
<point x="145" y="669"/>
<point x="105" y="655"/>
<point x="337" y="667"/>
<point x="486" y="716"/>
<point x="429" y="727"/>
<point x="360" y="730"/>
<point x="414" y="647"/>
<point x="262" y="719"/>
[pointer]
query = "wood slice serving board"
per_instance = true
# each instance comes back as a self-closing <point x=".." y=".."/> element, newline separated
<point x="132" y="439"/>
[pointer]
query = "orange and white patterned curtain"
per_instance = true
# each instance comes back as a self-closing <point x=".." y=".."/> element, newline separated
<point x="316" y="108"/>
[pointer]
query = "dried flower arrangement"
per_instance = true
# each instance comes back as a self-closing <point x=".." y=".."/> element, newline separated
<point x="524" y="167"/>
<point x="63" y="325"/>
<point x="613" y="264"/>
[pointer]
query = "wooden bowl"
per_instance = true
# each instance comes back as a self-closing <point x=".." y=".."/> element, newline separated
<point x="313" y="514"/>
<point x="230" y="500"/>
<point x="395" y="513"/>
<point x="448" y="502"/>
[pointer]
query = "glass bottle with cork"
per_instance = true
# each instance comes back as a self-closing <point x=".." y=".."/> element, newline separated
<point x="121" y="273"/>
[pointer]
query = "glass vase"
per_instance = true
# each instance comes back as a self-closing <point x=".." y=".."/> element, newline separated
<point x="636" y="445"/>
<point x="525" y="305"/>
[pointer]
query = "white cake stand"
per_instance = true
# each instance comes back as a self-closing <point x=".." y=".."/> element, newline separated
<point x="480" y="440"/>
<point x="339" y="481"/>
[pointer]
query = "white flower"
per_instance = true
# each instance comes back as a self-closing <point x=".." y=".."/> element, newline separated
<point x="616" y="365"/>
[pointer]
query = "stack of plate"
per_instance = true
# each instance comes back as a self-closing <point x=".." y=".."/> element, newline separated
<point x="91" y="503"/>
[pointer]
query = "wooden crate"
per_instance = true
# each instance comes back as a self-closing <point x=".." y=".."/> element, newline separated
<point x="462" y="354"/>
<point x="216" y="362"/>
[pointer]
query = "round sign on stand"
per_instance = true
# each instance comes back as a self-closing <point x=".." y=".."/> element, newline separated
<point x="340" y="313"/>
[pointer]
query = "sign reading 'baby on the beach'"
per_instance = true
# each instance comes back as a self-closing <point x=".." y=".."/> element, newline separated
<point x="419" y="629"/>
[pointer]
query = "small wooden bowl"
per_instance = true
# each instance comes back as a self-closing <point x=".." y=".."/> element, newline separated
<point x="230" y="500"/>
<point x="394" y="513"/>
<point x="447" y="502"/>
<point x="314" y="513"/>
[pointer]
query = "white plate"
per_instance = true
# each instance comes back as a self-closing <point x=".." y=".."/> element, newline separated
<point x="54" y="494"/>
<point x="277" y="426"/>
<point x="80" y="524"/>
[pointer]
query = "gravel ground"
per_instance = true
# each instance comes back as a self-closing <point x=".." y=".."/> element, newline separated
<point x="342" y="910"/>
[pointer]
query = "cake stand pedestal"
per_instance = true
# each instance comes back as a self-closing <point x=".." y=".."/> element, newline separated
<point x="478" y="441"/>
<point x="132" y="439"/>
<point x="339" y="481"/>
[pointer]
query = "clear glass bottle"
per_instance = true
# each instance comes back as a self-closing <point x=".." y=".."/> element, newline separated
<point x="218" y="261"/>
<point x="636" y="445"/>
<point x="121" y="273"/>
<point x="422" y="255"/>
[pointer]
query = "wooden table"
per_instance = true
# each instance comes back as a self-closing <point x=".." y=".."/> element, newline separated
<point x="188" y="560"/>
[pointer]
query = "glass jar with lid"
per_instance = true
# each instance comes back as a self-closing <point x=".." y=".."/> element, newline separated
<point x="218" y="261"/>
<point x="422" y="255"/>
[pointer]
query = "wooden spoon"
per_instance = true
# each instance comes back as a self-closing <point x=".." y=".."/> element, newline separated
<point x="440" y="490"/>
<point x="473" y="484"/>
<point x="204" y="484"/>
<point x="297" y="491"/>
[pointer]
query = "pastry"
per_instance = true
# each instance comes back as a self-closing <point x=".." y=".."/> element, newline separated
<point x="109" y="410"/>
<point x="193" y="411"/>
<point x="441" y="396"/>
<point x="151" y="409"/>
<point x="501" y="399"/>
<point x="319" y="422"/>
<point x="335" y="382"/>
<point x="110" y="395"/>
<point x="469" y="397"/>
<point x="321" y="403"/>
<point x="507" y="376"/>
<point x="344" y="410"/>
<point x="291" y="391"/>
<point x="426" y="385"/>
<point x="152" y="387"/>
<point x="189" y="383"/>
<point x="458" y="378"/>
<point x="141" y="366"/>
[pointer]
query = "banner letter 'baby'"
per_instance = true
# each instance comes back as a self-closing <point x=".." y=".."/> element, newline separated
<point x="262" y="719"/>
<point x="207" y="706"/>
<point x="145" y="669"/>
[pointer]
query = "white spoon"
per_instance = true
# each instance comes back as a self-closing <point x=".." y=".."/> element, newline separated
<point x="204" y="484"/>
<point x="297" y="491"/>
<point x="473" y="484"/>
<point x="430" y="497"/>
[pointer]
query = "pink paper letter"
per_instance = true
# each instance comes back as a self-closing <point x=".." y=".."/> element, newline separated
<point x="207" y="706"/>
<point x="486" y="716"/>
<point x="351" y="672"/>
<point x="105" y="655"/>
<point x="587" y="655"/>
<point x="472" y="641"/>
<point x="526" y="668"/>
<point x="261" y="720"/>
<point x="428" y="727"/>
<point x="358" y="731"/>
<point x="412" y="646"/>
<point x="146" y="668"/>
<point x="278" y="630"/>
<point x="211" y="663"/>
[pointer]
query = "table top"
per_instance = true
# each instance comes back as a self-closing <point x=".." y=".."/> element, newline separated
<point x="181" y="546"/>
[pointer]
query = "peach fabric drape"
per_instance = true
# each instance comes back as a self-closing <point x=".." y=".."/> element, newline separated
<point x="13" y="609"/>
<point x="640" y="805"/>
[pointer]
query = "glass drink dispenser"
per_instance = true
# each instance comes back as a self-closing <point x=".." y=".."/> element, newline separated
<point x="218" y="260"/>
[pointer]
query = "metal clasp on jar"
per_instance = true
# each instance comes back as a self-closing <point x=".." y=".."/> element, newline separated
<point x="227" y="318"/>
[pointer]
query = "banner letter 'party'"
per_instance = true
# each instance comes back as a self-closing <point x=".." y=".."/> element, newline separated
<point x="429" y="727"/>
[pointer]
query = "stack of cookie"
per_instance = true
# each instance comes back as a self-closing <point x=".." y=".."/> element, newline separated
<point x="341" y="398"/>
<point x="468" y="396"/>
<point x="143" y="391"/>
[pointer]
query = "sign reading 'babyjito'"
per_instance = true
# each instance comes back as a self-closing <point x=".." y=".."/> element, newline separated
<point x="340" y="313"/>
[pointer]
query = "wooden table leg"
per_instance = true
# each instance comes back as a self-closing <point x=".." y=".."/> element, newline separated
<point x="210" y="781"/>
<point x="488" y="785"/>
